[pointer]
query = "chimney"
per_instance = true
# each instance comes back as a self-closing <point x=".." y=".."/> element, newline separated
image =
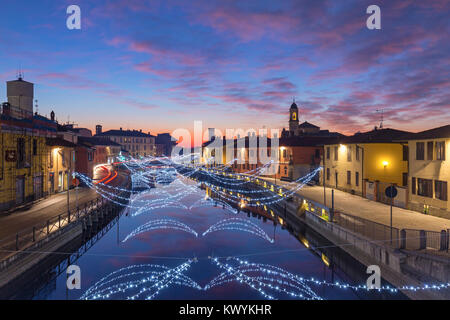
<point x="120" y="128"/>
<point x="140" y="130"/>
<point x="98" y="129"/>
<point x="52" y="115"/>
<point x="6" y="108"/>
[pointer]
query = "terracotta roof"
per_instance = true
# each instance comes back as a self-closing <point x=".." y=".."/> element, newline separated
<point x="94" y="141"/>
<point x="306" y="124"/>
<point x="440" y="132"/>
<point x="59" y="142"/>
<point x="377" y="136"/>
<point x="124" y="133"/>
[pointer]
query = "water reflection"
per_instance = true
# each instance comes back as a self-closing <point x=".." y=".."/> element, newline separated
<point x="175" y="241"/>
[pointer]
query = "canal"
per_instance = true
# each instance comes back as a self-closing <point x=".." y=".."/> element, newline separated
<point x="172" y="241"/>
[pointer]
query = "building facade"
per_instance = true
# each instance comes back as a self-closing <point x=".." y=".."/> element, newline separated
<point x="61" y="164"/>
<point x="367" y="163"/>
<point x="429" y="175"/>
<point x="137" y="143"/>
<point x="23" y="165"/>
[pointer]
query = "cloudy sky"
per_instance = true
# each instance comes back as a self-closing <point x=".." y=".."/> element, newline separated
<point x="160" y="65"/>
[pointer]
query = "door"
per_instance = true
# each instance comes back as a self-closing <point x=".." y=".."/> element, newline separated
<point x="60" y="181"/>
<point x="51" y="180"/>
<point x="20" y="190"/>
<point x="37" y="187"/>
<point x="336" y="179"/>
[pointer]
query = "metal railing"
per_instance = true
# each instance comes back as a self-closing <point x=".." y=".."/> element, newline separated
<point x="23" y="239"/>
<point x="370" y="229"/>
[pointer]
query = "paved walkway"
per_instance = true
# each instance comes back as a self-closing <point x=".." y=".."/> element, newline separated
<point x="49" y="207"/>
<point x="372" y="210"/>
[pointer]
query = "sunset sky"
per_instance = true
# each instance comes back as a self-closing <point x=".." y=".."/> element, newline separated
<point x="160" y="65"/>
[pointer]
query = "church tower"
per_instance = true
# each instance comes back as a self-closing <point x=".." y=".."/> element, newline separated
<point x="293" y="118"/>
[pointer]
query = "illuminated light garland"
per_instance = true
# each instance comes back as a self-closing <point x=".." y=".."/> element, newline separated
<point x="154" y="279"/>
<point x="289" y="286"/>
<point x="276" y="271"/>
<point x="212" y="203"/>
<point x="238" y="224"/>
<point x="160" y="224"/>
<point x="255" y="202"/>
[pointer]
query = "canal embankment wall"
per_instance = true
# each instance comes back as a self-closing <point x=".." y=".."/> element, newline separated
<point x="398" y="266"/>
<point x="23" y="261"/>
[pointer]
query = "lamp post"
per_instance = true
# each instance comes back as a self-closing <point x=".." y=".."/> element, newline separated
<point x="323" y="177"/>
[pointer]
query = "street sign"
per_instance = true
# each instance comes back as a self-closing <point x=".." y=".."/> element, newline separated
<point x="391" y="192"/>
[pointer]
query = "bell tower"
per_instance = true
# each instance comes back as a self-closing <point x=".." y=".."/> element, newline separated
<point x="293" y="118"/>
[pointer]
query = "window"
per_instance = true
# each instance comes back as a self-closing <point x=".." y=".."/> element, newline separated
<point x="440" y="150"/>
<point x="405" y="153"/>
<point x="335" y="153"/>
<point x="328" y="173"/>
<point x="34" y="147"/>
<point x="50" y="160"/>
<point x="63" y="159"/>
<point x="357" y="153"/>
<point x="285" y="170"/>
<point x="425" y="187"/>
<point x="357" y="179"/>
<point x="413" y="185"/>
<point x="405" y="179"/>
<point x="440" y="189"/>
<point x="317" y="155"/>
<point x="328" y="153"/>
<point x="420" y="151"/>
<point x="430" y="150"/>
<point x="349" y="177"/>
<point x="284" y="153"/>
<point x="89" y="155"/>
<point x="349" y="153"/>
<point x="20" y="153"/>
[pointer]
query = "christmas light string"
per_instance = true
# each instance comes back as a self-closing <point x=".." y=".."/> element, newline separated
<point x="238" y="224"/>
<point x="155" y="278"/>
<point x="160" y="224"/>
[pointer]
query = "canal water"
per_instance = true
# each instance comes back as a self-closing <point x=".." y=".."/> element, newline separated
<point x="173" y="242"/>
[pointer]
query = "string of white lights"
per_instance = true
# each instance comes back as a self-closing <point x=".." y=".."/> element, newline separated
<point x="160" y="224"/>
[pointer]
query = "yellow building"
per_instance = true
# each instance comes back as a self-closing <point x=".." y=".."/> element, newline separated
<point x="61" y="163"/>
<point x="23" y="164"/>
<point x="367" y="163"/>
<point x="429" y="163"/>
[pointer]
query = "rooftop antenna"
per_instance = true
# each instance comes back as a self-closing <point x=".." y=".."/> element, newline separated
<point x="36" y="105"/>
<point x="381" y="117"/>
<point x="20" y="74"/>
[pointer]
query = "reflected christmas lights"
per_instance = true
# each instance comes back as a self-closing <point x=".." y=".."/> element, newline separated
<point x="160" y="224"/>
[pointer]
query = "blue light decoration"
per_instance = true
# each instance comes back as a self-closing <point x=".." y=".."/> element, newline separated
<point x="238" y="224"/>
<point x="140" y="281"/>
<point x="261" y="278"/>
<point x="160" y="224"/>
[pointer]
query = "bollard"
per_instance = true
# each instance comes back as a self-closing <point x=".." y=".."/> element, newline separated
<point x="423" y="239"/>
<point x="403" y="239"/>
<point x="444" y="241"/>
<point x="34" y="233"/>
<point x="59" y="221"/>
<point x="48" y="226"/>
